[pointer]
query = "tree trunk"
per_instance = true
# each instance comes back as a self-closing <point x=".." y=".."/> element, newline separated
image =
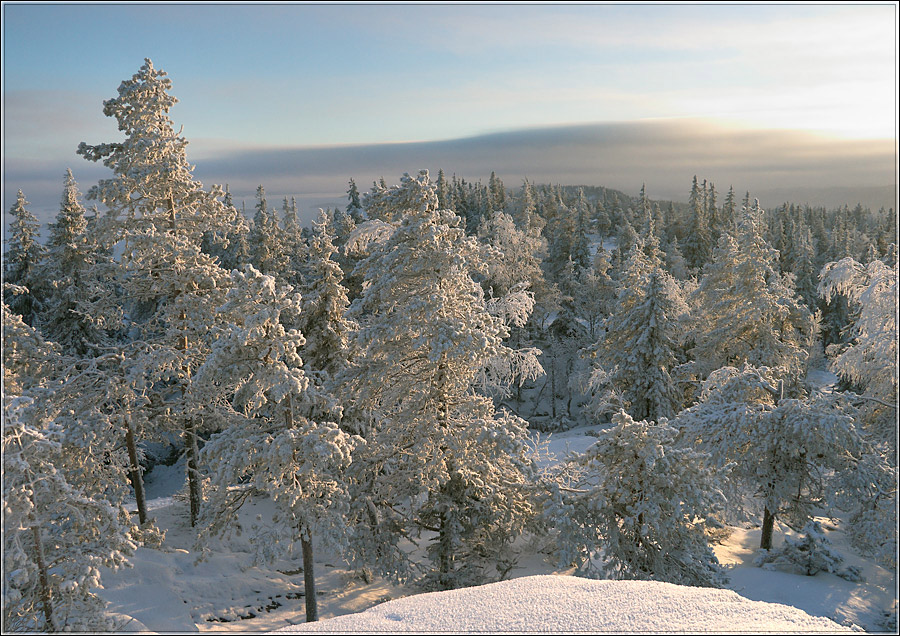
<point x="553" y="387"/>
<point x="193" y="471"/>
<point x="137" y="481"/>
<point x="519" y="383"/>
<point x="189" y="432"/>
<point x="309" y="578"/>
<point x="768" y="525"/>
<point x="42" y="577"/>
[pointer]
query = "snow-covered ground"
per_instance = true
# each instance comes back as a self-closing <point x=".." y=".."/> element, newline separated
<point x="168" y="590"/>
<point x="569" y="604"/>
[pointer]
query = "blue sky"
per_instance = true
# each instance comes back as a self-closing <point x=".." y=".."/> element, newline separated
<point x="255" y="77"/>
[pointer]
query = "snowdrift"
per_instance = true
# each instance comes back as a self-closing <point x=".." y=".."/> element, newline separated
<point x="569" y="604"/>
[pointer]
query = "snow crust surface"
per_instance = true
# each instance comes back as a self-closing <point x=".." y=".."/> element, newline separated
<point x="553" y="603"/>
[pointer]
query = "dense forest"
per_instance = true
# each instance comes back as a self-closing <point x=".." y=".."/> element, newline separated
<point x="380" y="375"/>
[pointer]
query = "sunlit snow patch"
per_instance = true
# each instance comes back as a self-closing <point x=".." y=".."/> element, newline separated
<point x="570" y="604"/>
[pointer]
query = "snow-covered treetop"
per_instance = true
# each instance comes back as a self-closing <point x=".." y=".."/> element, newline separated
<point x="413" y="193"/>
<point x="153" y="180"/>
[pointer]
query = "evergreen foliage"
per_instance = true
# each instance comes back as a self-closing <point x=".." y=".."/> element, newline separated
<point x="638" y="506"/>
<point x="437" y="451"/>
<point x="22" y="259"/>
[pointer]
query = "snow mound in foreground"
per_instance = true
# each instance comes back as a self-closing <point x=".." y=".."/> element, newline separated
<point x="570" y="604"/>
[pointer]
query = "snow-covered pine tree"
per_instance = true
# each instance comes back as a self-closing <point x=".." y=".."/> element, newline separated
<point x="55" y="536"/>
<point x="153" y="185"/>
<point x="869" y="361"/>
<point x="387" y="204"/>
<point x="792" y="451"/>
<point x="638" y="505"/>
<point x="22" y="259"/>
<point x="516" y="256"/>
<point x="172" y="287"/>
<point x="76" y="394"/>
<point x="282" y="437"/>
<point x="28" y="359"/>
<point x="808" y="554"/>
<point x="439" y="457"/>
<point x="747" y="312"/>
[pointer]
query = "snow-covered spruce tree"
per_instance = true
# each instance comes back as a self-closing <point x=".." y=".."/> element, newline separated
<point x="698" y="241"/>
<point x="802" y="263"/>
<point x="55" y="536"/>
<point x="496" y="193"/>
<point x="172" y="287"/>
<point x="439" y="458"/>
<point x="72" y="260"/>
<point x="561" y="237"/>
<point x="793" y="452"/>
<point x="22" y="258"/>
<point x="354" y="207"/>
<point x="266" y="238"/>
<point x="746" y="311"/>
<point x="281" y="437"/>
<point x="527" y="217"/>
<point x="639" y="346"/>
<point x="322" y="318"/>
<point x="637" y="507"/>
<point x="581" y="251"/>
